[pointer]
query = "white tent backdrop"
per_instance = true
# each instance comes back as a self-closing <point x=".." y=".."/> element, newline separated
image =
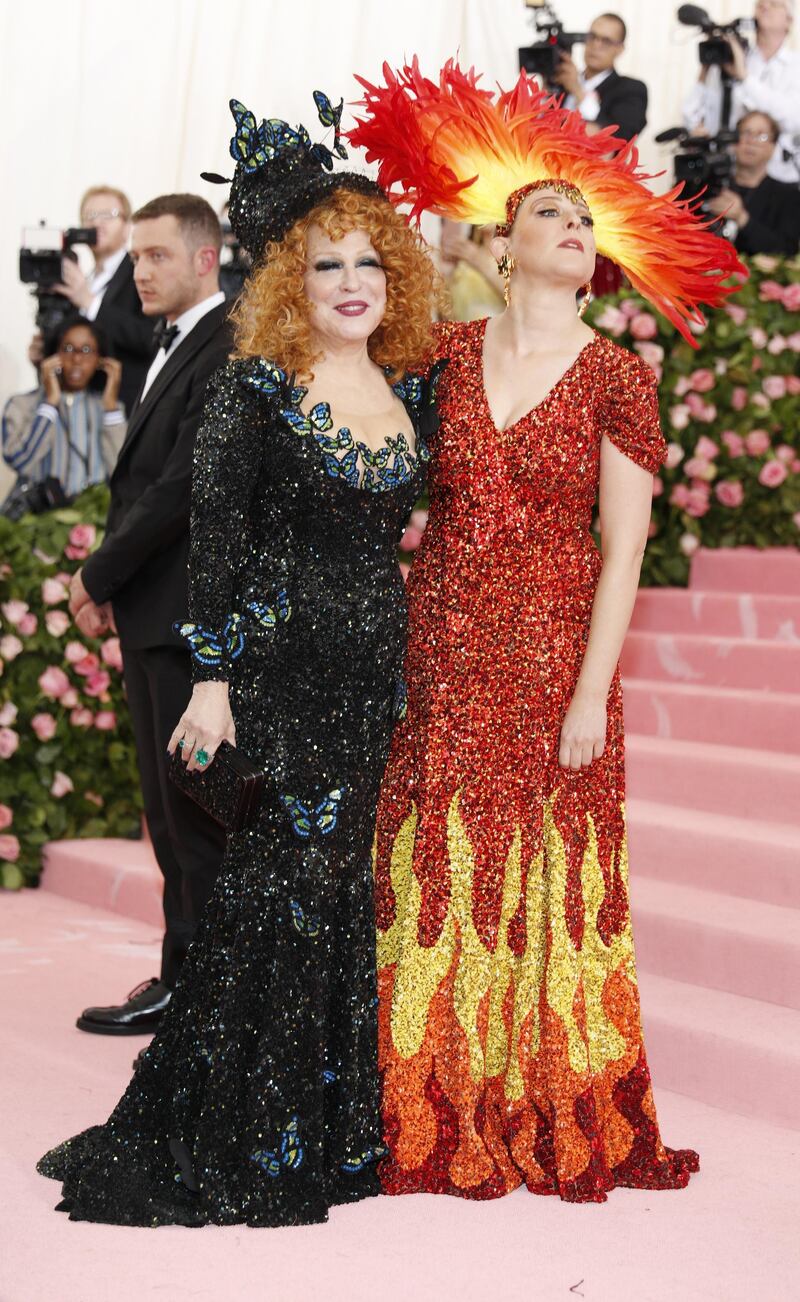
<point x="135" y="94"/>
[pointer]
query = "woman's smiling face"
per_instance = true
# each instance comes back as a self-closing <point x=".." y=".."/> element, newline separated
<point x="345" y="285"/>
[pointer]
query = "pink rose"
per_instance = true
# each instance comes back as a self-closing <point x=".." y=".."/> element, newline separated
<point x="688" y="544"/>
<point x="706" y="448"/>
<point x="83" y="535"/>
<point x="791" y="297"/>
<point x="81" y="718"/>
<point x="795" y="466"/>
<point x="10" y="646"/>
<point x="699" y="468"/>
<point x="43" y="556"/>
<point x="74" y="651"/>
<point x="774" y="386"/>
<point x="110" y="651"/>
<point x="93" y="798"/>
<point x="680" y="496"/>
<point x="760" y="401"/>
<point x="97" y="683"/>
<point x="630" y="308"/>
<point x="9" y="741"/>
<point x="105" y="721"/>
<point x="6" y="817"/>
<point x="682" y="384"/>
<point x="44" y="725"/>
<point x="776" y="345"/>
<point x="14" y="611"/>
<point x="404" y="570"/>
<point x="644" y="326"/>
<point x="653" y="354"/>
<point x="652" y="529"/>
<point x="9" y="848"/>
<point x="53" y="682"/>
<point x="419" y="519"/>
<point x="703" y="380"/>
<point x="757" y="442"/>
<point x="411" y="539"/>
<point x="793" y="384"/>
<point x="56" y="622"/>
<point x="771" y="292"/>
<point x="53" y="591"/>
<point x="733" y="442"/>
<point x="772" y="473"/>
<point x="61" y="785"/>
<point x="28" y="625"/>
<point x="737" y="314"/>
<point x="69" y="698"/>
<point x="658" y="486"/>
<point x="785" y="454"/>
<point x="674" y="455"/>
<point x="756" y="364"/>
<point x="8" y="714"/>
<point x="739" y="399"/>
<point x="695" y="405"/>
<point x="612" y="320"/>
<point x="794" y="341"/>
<point x="796" y="519"/>
<point x="708" y="413"/>
<point x="73" y="553"/>
<point x="758" y="337"/>
<point x="679" y="416"/>
<point x="87" y="664"/>
<point x="730" y="492"/>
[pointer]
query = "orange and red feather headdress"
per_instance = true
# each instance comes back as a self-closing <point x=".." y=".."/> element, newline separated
<point x="454" y="149"/>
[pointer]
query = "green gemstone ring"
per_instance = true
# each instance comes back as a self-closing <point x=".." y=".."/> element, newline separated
<point x="202" y="757"/>
<point x="181" y="744"/>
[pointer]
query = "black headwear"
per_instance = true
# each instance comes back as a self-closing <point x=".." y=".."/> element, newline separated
<point x="280" y="176"/>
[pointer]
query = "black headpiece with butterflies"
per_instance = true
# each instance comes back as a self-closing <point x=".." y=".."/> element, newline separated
<point x="280" y="175"/>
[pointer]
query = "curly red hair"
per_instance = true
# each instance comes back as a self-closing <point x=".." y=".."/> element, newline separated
<point x="272" y="316"/>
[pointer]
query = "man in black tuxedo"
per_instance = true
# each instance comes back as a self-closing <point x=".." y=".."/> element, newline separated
<point x="139" y="574"/>
<point x="108" y="296"/>
<point x="601" y="96"/>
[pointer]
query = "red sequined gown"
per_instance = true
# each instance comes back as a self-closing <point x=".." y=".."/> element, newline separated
<point x="510" y="1041"/>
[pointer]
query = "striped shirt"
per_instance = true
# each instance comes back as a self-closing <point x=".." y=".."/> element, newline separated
<point x="77" y="442"/>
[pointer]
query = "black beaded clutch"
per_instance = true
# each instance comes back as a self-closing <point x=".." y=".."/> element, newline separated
<point x="230" y="790"/>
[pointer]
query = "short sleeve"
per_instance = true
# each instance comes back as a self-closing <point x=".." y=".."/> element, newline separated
<point x="629" y="414"/>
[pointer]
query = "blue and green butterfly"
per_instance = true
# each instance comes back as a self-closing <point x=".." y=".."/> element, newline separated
<point x="290" y="1154"/>
<point x="318" y="419"/>
<point x="321" y="818"/>
<point x="268" y="616"/>
<point x="354" y="1164"/>
<point x="308" y="924"/>
<point x="210" y="648"/>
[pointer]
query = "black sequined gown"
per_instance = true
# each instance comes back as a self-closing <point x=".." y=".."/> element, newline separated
<point x="257" y="1100"/>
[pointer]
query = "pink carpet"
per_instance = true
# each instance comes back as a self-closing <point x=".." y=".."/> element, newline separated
<point x="713" y="703"/>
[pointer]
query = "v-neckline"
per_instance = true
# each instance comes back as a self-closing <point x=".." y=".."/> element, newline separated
<point x="543" y="401"/>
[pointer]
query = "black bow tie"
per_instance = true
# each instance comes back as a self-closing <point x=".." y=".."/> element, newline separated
<point x="164" y="334"/>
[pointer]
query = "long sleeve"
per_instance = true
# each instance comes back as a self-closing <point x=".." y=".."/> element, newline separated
<point x="780" y="101"/>
<point x="30" y="427"/>
<point x="227" y="467"/>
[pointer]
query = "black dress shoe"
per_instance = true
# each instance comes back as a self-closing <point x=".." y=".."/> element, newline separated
<point x="139" y="1015"/>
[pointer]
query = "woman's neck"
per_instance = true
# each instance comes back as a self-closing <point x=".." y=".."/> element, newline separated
<point x="769" y="43"/>
<point x="537" y="314"/>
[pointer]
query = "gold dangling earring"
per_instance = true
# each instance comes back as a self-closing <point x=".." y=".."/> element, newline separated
<point x="505" y="266"/>
<point x="587" y="297"/>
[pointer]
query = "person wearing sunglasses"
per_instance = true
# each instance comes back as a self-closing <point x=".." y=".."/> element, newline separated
<point x="761" y="215"/>
<point x="600" y="94"/>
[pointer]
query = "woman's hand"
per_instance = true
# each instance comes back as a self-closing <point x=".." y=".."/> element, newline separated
<point x="49" y="373"/>
<point x="206" y="721"/>
<point x="583" y="732"/>
<point x="113" y="369"/>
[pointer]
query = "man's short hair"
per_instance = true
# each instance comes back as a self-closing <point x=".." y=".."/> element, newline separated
<point x="196" y="218"/>
<point x="622" y="28"/>
<point x="772" y="126"/>
<point x="123" y="202"/>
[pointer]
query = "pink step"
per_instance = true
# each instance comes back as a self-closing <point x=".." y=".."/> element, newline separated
<point x="721" y="614"/>
<point x="712" y="661"/>
<point x="733" y="716"/>
<point x="747" y="569"/>
<point x="115" y="874"/>
<point x="739" y="1054"/>
<point x="755" y="784"/>
<point x="717" y="852"/>
<point x="703" y="937"/>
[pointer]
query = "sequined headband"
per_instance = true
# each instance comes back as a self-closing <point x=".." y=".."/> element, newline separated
<point x="516" y="198"/>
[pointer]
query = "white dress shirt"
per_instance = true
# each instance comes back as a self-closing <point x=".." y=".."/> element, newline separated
<point x="771" y="86"/>
<point x="589" y="104"/>
<point x="99" y="281"/>
<point x="186" y="322"/>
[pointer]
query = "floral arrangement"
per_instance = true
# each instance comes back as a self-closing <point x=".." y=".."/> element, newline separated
<point x="730" y="411"/>
<point x="67" y="759"/>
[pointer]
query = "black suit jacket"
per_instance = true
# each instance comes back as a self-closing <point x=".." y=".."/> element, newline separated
<point x="623" y="104"/>
<point x="128" y="331"/>
<point x="774" y="210"/>
<point x="142" y="563"/>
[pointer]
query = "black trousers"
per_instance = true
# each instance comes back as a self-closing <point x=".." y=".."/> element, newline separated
<point x="188" y="844"/>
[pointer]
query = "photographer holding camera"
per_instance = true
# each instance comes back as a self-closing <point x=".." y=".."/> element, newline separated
<point x="762" y="214"/>
<point x="67" y="433"/>
<point x="765" y="78"/>
<point x="602" y="97"/>
<point x="108" y="296"/>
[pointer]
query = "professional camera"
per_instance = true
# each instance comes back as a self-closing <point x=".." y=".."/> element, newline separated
<point x="716" y="48"/>
<point x="704" y="164"/>
<point x="43" y="251"/>
<point x="542" y="58"/>
<point x="30" y="497"/>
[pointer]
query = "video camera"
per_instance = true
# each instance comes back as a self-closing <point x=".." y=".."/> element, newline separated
<point x="541" y="59"/>
<point x="704" y="164"/>
<point x="716" y="48"/>
<point x="40" y="257"/>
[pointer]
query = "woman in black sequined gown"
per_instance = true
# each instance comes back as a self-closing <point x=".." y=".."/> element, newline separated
<point x="257" y="1100"/>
